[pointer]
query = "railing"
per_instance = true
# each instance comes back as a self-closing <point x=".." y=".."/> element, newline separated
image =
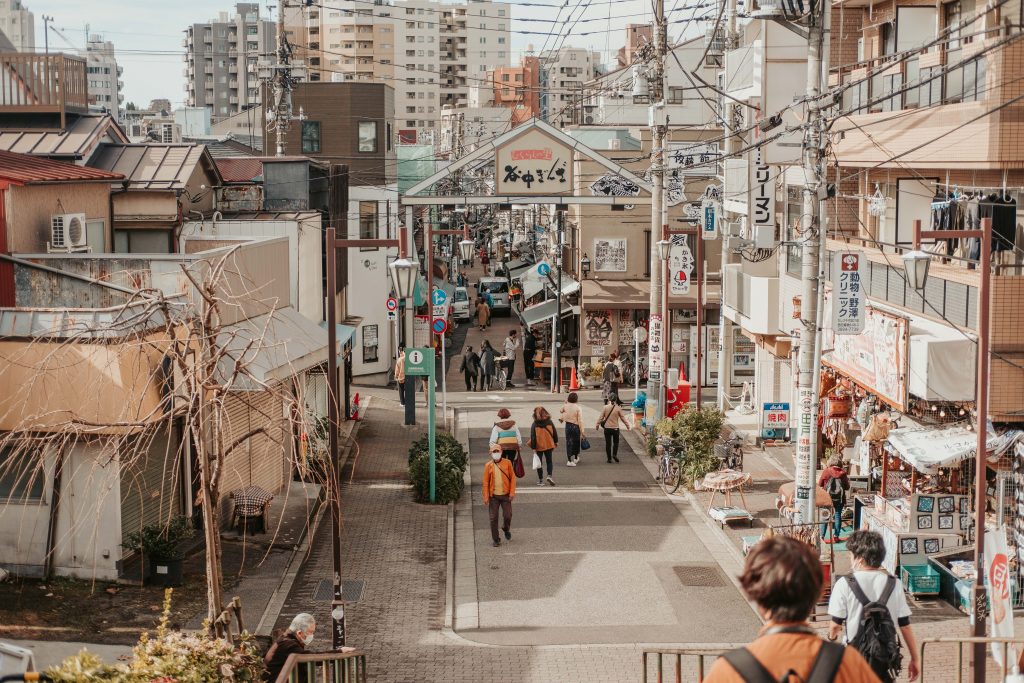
<point x="31" y="83"/>
<point x="325" y="667"/>
<point x="1003" y="644"/>
<point x="685" y="664"/>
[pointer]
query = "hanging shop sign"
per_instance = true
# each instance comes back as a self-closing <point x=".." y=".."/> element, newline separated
<point x="876" y="358"/>
<point x="849" y="299"/>
<point x="762" y="200"/>
<point x="680" y="266"/>
<point x="709" y="219"/>
<point x="775" y="416"/>
<point x="693" y="158"/>
<point x="533" y="164"/>
<point x="614" y="185"/>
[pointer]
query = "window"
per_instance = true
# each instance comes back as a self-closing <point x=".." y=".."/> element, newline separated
<point x="367" y="136"/>
<point x="675" y="95"/>
<point x="367" y="223"/>
<point x="310" y="137"/>
<point x="501" y="13"/>
<point x="501" y="40"/>
<point x="21" y="475"/>
<point x="504" y="77"/>
<point x="142" y="241"/>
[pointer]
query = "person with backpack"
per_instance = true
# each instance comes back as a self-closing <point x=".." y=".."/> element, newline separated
<point x="836" y="481"/>
<point x="870" y="605"/>
<point x="505" y="435"/>
<point x="783" y="577"/>
<point x="543" y="439"/>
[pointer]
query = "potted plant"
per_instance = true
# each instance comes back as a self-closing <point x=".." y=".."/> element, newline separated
<point x="160" y="547"/>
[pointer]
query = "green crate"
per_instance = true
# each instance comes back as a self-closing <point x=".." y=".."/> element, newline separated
<point x="920" y="579"/>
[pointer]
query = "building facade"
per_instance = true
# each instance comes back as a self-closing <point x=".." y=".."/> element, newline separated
<point x="105" y="84"/>
<point x="221" y="57"/>
<point x="564" y="72"/>
<point x="518" y="88"/>
<point x="18" y="24"/>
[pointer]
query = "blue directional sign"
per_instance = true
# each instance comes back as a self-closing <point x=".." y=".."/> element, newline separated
<point x="439" y="297"/>
<point x="543" y="269"/>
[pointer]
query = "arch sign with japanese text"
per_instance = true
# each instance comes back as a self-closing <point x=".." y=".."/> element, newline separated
<point x="534" y="163"/>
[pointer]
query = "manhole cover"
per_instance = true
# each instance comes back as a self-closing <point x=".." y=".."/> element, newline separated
<point x="351" y="591"/>
<point x="631" y="485"/>
<point x="703" y="575"/>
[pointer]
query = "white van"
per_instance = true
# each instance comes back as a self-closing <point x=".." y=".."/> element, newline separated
<point x="460" y="304"/>
<point x="498" y="289"/>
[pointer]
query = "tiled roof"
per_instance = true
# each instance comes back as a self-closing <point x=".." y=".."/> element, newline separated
<point x="153" y="166"/>
<point x="240" y="169"/>
<point x="28" y="169"/>
<point x="75" y="142"/>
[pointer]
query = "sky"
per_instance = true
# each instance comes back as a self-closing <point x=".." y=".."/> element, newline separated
<point x="147" y="34"/>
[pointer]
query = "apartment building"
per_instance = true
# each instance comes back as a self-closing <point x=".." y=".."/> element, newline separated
<point x="563" y="75"/>
<point x="221" y="57"/>
<point x="430" y="52"/>
<point x="518" y="88"/>
<point x="18" y="24"/>
<point x="105" y="84"/>
<point x="637" y="35"/>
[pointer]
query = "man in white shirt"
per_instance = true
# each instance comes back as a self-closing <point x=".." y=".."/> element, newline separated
<point x="511" y="344"/>
<point x="868" y="552"/>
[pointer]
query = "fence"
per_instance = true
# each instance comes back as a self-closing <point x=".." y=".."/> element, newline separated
<point x="325" y="667"/>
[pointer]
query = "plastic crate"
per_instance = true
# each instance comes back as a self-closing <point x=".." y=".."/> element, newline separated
<point x="920" y="579"/>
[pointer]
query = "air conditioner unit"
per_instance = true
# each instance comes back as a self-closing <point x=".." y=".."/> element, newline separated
<point x="588" y="120"/>
<point x="67" y="233"/>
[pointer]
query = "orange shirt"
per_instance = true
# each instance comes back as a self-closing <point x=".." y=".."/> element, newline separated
<point x="492" y="470"/>
<point x="781" y="652"/>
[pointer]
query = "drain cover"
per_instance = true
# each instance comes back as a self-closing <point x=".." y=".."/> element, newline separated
<point x="702" y="575"/>
<point x="351" y="591"/>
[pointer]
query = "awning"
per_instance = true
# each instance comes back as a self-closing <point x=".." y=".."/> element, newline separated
<point x="926" y="449"/>
<point x="599" y="294"/>
<point x="545" y="311"/>
<point x="517" y="266"/>
<point x="274" y="347"/>
<point x="936" y="355"/>
<point x="534" y="283"/>
<point x="343" y="333"/>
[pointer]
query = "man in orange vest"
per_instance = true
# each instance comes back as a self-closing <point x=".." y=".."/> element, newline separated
<point x="499" y="487"/>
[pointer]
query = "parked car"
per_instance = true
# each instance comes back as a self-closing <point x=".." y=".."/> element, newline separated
<point x="498" y="288"/>
<point x="460" y="304"/>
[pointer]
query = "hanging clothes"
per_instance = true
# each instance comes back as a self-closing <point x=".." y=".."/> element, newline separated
<point x="972" y="221"/>
<point x="1003" y="212"/>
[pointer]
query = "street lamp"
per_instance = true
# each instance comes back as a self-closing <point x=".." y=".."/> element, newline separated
<point x="403" y="276"/>
<point x="916" y="263"/>
<point x="664" y="246"/>
<point x="466" y="249"/>
<point x="585" y="265"/>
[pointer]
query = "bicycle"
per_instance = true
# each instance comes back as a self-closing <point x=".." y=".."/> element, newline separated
<point x="669" y="468"/>
<point x="501" y="377"/>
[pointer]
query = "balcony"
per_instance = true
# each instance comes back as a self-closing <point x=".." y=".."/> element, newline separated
<point x="43" y="84"/>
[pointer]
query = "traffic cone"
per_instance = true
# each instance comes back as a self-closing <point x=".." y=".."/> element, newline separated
<point x="355" y="408"/>
<point x="574" y="384"/>
<point x="682" y="371"/>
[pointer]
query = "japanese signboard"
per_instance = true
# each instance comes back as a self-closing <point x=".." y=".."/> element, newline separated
<point x="421" y="330"/>
<point x="693" y="158"/>
<point x="654" y="347"/>
<point x="680" y="266"/>
<point x="775" y="416"/>
<point x="610" y="255"/>
<point x="598" y="327"/>
<point x="709" y="213"/>
<point x="534" y="164"/>
<point x="876" y="358"/>
<point x="848" y="292"/>
<point x="762" y="198"/>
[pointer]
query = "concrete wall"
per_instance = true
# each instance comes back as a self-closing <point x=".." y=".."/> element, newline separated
<point x="30" y="207"/>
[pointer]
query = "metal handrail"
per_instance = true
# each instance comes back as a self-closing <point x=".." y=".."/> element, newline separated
<point x="333" y="667"/>
<point x="1005" y="669"/>
<point x="659" y="655"/>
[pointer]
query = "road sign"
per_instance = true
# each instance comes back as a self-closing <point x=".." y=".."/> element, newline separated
<point x="543" y="269"/>
<point x="439" y="326"/>
<point x="439" y="297"/>
<point x="392" y="304"/>
<point x="439" y="311"/>
<point x="392" y="315"/>
<point x="639" y="334"/>
<point x="419" y="362"/>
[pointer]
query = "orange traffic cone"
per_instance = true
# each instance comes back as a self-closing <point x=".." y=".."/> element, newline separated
<point x="682" y="371"/>
<point x="574" y="383"/>
<point x="355" y="408"/>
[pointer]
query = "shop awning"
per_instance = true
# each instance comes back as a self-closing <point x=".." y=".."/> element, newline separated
<point x="616" y="294"/>
<point x="534" y="283"/>
<point x="545" y="311"/>
<point x="937" y="368"/>
<point x="273" y="347"/>
<point x="926" y="449"/>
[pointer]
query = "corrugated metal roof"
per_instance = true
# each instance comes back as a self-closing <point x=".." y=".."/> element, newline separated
<point x="240" y="169"/>
<point x="28" y="169"/>
<point x="152" y="167"/>
<point x="75" y="142"/>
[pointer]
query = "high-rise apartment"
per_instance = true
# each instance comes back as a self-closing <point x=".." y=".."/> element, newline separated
<point x="104" y="74"/>
<point x="18" y="24"/>
<point x="430" y="52"/>
<point x="221" y="60"/>
<point x="563" y="75"/>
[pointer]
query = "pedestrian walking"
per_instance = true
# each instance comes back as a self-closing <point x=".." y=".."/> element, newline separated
<point x="293" y="641"/>
<point x="486" y="365"/>
<point x="499" y="488"/>
<point x="543" y="439"/>
<point x="489" y="298"/>
<point x="400" y="374"/>
<point x="611" y="378"/>
<point x="529" y="351"/>
<point x="611" y="420"/>
<point x="572" y="416"/>
<point x="505" y="435"/>
<point x="470" y="368"/>
<point x="836" y="481"/>
<point x="483" y="314"/>
<point x="509" y="347"/>
<point x="868" y="605"/>
<point x="783" y="577"/>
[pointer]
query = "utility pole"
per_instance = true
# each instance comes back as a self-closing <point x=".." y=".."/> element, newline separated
<point x="730" y="147"/>
<point x="812" y="266"/>
<point x="282" y="76"/>
<point x="556" y="368"/>
<point x="659" y="130"/>
<point x="46" y="33"/>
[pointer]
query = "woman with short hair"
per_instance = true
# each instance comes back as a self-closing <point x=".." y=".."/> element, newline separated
<point x="571" y="415"/>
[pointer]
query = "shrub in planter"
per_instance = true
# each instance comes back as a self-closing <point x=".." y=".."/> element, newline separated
<point x="693" y="433"/>
<point x="160" y="546"/>
<point x="445" y="445"/>
<point x="448" y="482"/>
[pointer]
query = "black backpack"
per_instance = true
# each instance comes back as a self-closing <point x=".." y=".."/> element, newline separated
<point x="836" y="491"/>
<point x="826" y="663"/>
<point x="877" y="639"/>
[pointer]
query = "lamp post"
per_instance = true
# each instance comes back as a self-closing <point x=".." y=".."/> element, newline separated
<point x="585" y="266"/>
<point x="403" y="278"/>
<point x="916" y="264"/>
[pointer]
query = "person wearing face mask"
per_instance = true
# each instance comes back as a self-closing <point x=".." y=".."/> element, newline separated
<point x="295" y="640"/>
<point x="499" y="487"/>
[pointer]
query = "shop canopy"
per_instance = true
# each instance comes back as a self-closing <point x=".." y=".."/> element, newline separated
<point x="926" y="449"/>
<point x="533" y="282"/>
<point x="545" y="311"/>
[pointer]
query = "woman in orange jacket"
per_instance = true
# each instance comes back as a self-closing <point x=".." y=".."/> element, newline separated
<point x="499" y="488"/>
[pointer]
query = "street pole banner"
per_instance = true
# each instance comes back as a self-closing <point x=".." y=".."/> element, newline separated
<point x="654" y="350"/>
<point x="762" y="201"/>
<point x="680" y="266"/>
<point x="804" y="467"/>
<point x="848" y="315"/>
<point x="997" y="577"/>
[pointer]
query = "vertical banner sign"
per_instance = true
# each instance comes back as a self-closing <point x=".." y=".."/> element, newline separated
<point x="709" y="219"/>
<point x="654" y="347"/>
<point x="680" y="266"/>
<point x="804" y="473"/>
<point x="762" y="202"/>
<point x="997" y="573"/>
<point x="848" y="295"/>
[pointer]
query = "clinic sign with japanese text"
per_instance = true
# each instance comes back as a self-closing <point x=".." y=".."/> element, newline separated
<point x="848" y="315"/>
<point x="533" y="164"/>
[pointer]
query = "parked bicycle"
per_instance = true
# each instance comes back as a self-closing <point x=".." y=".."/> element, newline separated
<point x="669" y="466"/>
<point x="729" y="452"/>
